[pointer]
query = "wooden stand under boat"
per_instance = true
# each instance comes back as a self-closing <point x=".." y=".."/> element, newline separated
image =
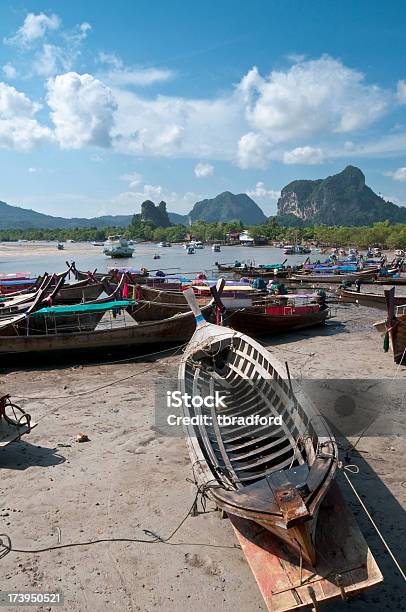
<point x="346" y="565"/>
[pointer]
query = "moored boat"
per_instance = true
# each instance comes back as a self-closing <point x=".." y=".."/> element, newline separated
<point x="372" y="300"/>
<point x="118" y="247"/>
<point x="394" y="327"/>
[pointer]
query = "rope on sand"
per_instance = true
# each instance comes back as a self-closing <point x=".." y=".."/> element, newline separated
<point x="402" y="573"/>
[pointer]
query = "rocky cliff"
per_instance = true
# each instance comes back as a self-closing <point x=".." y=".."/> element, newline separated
<point x="341" y="199"/>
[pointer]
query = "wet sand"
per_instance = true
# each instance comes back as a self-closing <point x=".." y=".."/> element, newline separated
<point x="129" y="478"/>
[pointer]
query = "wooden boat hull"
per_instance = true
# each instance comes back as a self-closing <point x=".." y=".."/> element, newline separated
<point x="258" y="472"/>
<point x="370" y="300"/>
<point x="334" y="278"/>
<point x="253" y="321"/>
<point x="259" y="273"/>
<point x="395" y="327"/>
<point x="172" y="330"/>
<point x="151" y="294"/>
<point x="390" y="281"/>
<point x="286" y="585"/>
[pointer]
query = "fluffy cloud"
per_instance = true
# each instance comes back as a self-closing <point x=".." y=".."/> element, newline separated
<point x="34" y="28"/>
<point x="253" y="151"/>
<point x="120" y="75"/>
<point x="132" y="200"/>
<point x="262" y="193"/>
<point x="309" y="156"/>
<point x="134" y="179"/>
<point x="52" y="59"/>
<point x="18" y="127"/>
<point x="82" y="110"/>
<point x="401" y="92"/>
<point x="309" y="98"/>
<point x="398" y="175"/>
<point x="202" y="170"/>
<point x="176" y="127"/>
<point x="9" y="71"/>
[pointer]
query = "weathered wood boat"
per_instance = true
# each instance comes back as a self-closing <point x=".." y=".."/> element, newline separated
<point x="334" y="278"/>
<point x="273" y="468"/>
<point x="394" y="327"/>
<point x="24" y="336"/>
<point x="276" y="318"/>
<point x="389" y="280"/>
<point x="372" y="300"/>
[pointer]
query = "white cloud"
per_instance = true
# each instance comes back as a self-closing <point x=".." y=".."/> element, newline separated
<point x="134" y="179"/>
<point x="18" y="127"/>
<point x="253" y="151"/>
<point x="401" y="92"/>
<point x="120" y="75"/>
<point x="398" y="175"/>
<point x="139" y="76"/>
<point x="309" y="156"/>
<point x="9" y="71"/>
<point x="34" y="28"/>
<point x="262" y="193"/>
<point x="176" y="127"/>
<point x="48" y="61"/>
<point x="32" y="170"/>
<point x="202" y="170"/>
<point x="82" y="110"/>
<point x="311" y="97"/>
<point x="181" y="203"/>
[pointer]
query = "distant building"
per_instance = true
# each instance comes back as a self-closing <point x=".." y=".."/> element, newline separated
<point x="233" y="236"/>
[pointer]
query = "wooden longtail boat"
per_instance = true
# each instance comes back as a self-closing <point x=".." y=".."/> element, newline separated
<point x="373" y="300"/>
<point x="273" y="474"/>
<point x="394" y="327"/>
<point x="52" y="341"/>
<point x="275" y="319"/>
<point x="388" y="280"/>
<point x="335" y="278"/>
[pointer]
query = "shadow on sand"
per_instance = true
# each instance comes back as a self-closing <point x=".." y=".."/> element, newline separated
<point x="22" y="455"/>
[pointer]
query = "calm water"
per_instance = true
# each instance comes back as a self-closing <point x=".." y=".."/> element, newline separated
<point x="38" y="257"/>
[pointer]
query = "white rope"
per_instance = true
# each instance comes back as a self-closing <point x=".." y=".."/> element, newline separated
<point x="402" y="573"/>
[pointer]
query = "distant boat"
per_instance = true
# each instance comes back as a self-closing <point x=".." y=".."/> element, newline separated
<point x="190" y="250"/>
<point x="117" y="247"/>
<point x="157" y="256"/>
<point x="246" y="239"/>
<point x="98" y="244"/>
<point x="197" y="244"/>
<point x="216" y="248"/>
<point x="164" y="244"/>
<point x="60" y="246"/>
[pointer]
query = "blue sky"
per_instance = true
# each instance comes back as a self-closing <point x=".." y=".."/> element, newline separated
<point x="105" y="104"/>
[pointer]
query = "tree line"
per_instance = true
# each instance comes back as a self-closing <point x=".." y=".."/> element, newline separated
<point x="386" y="234"/>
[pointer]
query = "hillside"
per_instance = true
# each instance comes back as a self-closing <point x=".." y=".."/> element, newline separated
<point x="340" y="199"/>
<point x="14" y="217"/>
<point x="228" y="207"/>
<point x="224" y="207"/>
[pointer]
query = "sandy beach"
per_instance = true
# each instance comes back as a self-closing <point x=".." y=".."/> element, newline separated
<point x="129" y="478"/>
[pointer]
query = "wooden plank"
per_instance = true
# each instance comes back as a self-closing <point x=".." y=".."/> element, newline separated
<point x="341" y="548"/>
